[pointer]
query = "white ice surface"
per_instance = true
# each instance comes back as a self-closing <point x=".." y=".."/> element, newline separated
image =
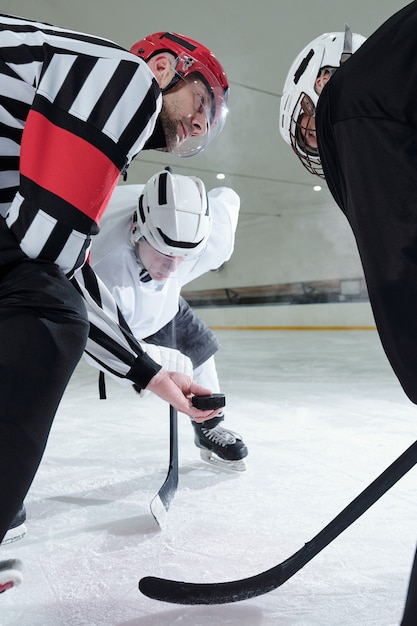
<point x="322" y="415"/>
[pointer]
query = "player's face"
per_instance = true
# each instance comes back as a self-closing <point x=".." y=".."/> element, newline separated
<point x="307" y="125"/>
<point x="184" y="112"/>
<point x="160" y="266"/>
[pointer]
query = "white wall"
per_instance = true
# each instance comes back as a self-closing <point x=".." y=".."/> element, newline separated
<point x="299" y="245"/>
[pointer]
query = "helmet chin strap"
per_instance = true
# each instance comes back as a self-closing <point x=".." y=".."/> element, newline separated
<point x="347" y="45"/>
<point x="174" y="81"/>
<point x="144" y="276"/>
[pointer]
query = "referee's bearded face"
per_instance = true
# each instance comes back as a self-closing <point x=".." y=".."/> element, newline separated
<point x="184" y="113"/>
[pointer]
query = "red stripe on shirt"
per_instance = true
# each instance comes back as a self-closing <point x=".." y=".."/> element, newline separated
<point x="67" y="165"/>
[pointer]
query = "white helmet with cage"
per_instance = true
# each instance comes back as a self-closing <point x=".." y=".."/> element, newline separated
<point x="325" y="54"/>
<point x="173" y="215"/>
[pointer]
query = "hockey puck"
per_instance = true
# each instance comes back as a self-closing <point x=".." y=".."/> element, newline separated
<point x="206" y="403"/>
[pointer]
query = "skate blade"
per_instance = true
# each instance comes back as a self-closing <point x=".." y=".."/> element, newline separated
<point x="14" y="534"/>
<point x="10" y="574"/>
<point x="210" y="457"/>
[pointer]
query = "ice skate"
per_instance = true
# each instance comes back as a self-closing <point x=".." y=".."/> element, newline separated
<point x="17" y="528"/>
<point x="10" y="574"/>
<point x="220" y="446"/>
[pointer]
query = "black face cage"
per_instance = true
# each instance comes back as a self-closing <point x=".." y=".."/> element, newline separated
<point x="308" y="156"/>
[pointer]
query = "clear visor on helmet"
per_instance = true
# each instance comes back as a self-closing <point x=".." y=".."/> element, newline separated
<point x="210" y="106"/>
<point x="303" y="134"/>
<point x="159" y="266"/>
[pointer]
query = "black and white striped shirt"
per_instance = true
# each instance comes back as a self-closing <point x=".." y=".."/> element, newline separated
<point x="74" y="110"/>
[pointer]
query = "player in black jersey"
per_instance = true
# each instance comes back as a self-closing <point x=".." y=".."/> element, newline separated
<point x="349" y="112"/>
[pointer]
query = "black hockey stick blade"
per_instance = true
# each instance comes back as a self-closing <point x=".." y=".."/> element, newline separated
<point x="233" y="591"/>
<point x="161" y="502"/>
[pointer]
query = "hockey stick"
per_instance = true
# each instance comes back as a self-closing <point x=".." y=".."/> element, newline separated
<point x="234" y="591"/>
<point x="161" y="502"/>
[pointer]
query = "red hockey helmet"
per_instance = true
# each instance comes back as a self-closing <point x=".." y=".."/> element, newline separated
<point x="192" y="59"/>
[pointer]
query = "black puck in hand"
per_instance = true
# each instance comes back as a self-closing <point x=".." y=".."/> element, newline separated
<point x="207" y="403"/>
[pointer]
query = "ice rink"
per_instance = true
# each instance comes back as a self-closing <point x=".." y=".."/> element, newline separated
<point x="322" y="415"/>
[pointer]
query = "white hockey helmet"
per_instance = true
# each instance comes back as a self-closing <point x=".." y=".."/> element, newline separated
<point x="173" y="215"/>
<point x="299" y="98"/>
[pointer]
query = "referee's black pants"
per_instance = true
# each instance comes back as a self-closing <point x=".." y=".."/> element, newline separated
<point x="43" y="331"/>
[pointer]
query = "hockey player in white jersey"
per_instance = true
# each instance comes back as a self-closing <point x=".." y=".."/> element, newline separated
<point x="154" y="239"/>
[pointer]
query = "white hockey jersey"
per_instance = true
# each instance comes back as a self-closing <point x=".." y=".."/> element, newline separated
<point x="148" y="306"/>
